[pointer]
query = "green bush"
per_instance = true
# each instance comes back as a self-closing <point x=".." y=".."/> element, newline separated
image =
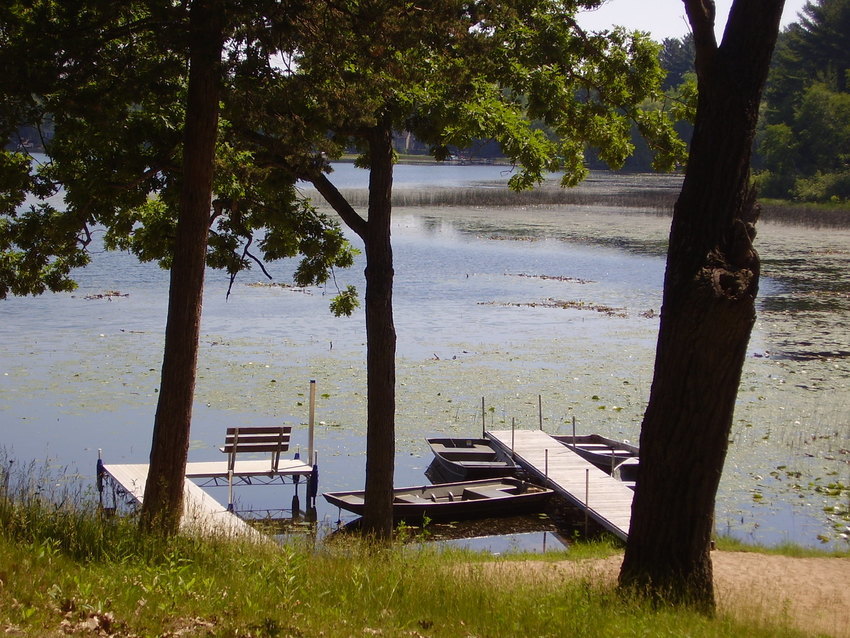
<point x="824" y="187"/>
<point x="773" y="185"/>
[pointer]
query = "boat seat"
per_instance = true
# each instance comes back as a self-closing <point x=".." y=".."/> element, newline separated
<point x="486" y="464"/>
<point x="470" y="455"/>
<point x="474" y="493"/>
<point x="410" y="498"/>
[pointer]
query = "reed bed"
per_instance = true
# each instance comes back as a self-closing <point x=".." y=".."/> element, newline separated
<point x="809" y="215"/>
<point x="651" y="200"/>
<point x="485" y="196"/>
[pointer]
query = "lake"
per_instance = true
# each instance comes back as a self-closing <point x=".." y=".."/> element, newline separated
<point x="508" y="304"/>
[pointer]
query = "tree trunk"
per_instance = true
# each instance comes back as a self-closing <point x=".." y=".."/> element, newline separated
<point x="380" y="339"/>
<point x="163" y="500"/>
<point x="707" y="315"/>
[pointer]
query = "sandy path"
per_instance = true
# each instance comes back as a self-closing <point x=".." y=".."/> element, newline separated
<point x="812" y="594"/>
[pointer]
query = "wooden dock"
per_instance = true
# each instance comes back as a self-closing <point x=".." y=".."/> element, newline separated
<point x="606" y="500"/>
<point x="201" y="512"/>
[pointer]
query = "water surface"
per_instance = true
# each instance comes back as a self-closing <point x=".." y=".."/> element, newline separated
<point x="505" y="304"/>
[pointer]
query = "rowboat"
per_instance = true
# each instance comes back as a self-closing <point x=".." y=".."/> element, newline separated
<point x="455" y="501"/>
<point x="620" y="459"/>
<point x="462" y="459"/>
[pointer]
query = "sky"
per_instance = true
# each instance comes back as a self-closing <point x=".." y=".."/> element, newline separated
<point x="664" y="18"/>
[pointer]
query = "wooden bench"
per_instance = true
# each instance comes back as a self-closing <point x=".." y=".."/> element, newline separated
<point x="253" y="440"/>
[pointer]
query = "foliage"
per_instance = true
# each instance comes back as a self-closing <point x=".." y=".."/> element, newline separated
<point x="804" y="142"/>
<point x="462" y="75"/>
<point x="677" y="59"/>
<point x="112" y="79"/>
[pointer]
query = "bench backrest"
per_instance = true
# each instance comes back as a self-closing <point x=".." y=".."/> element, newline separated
<point x="273" y="439"/>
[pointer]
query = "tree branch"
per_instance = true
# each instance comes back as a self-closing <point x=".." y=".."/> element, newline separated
<point x="748" y="20"/>
<point x="701" y="14"/>
<point x="247" y="253"/>
<point x="312" y="174"/>
<point x="333" y="197"/>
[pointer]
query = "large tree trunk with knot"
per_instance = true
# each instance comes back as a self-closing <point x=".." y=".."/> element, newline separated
<point x="707" y="315"/>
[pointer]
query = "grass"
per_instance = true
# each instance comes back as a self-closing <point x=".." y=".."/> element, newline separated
<point x="792" y="550"/>
<point x="219" y="588"/>
<point x="64" y="570"/>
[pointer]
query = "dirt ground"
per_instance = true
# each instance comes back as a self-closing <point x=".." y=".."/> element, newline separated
<point x="812" y="594"/>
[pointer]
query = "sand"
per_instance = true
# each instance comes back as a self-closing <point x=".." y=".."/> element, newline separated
<point x="811" y="594"/>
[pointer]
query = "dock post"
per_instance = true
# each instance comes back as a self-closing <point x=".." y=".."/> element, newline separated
<point x="313" y="483"/>
<point x="586" y="498"/>
<point x="100" y="475"/>
<point x="513" y="427"/>
<point x="483" y="419"/>
<point x="296" y="504"/>
<point x="574" y="430"/>
<point x="540" y="410"/>
<point x="312" y="421"/>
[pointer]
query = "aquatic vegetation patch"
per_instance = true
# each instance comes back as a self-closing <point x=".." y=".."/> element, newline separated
<point x="307" y="290"/>
<point x="564" y="305"/>
<point x="109" y="295"/>
<point x="572" y="280"/>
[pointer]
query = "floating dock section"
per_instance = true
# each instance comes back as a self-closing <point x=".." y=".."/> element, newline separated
<point x="605" y="499"/>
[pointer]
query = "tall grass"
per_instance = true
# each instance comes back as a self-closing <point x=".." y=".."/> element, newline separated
<point x="809" y="215"/>
<point x="65" y="570"/>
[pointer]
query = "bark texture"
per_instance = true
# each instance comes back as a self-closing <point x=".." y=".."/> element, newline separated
<point x="707" y="315"/>
<point x="380" y="339"/>
<point x="163" y="500"/>
<point x="380" y="328"/>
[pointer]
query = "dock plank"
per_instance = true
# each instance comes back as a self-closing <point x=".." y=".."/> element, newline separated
<point x="607" y="500"/>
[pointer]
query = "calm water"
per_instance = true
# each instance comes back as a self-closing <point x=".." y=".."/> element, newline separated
<point x="478" y="314"/>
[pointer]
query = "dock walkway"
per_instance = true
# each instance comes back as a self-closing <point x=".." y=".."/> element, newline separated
<point x="606" y="500"/>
